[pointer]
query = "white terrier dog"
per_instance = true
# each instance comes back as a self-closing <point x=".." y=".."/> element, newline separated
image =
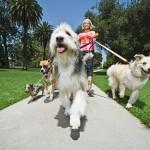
<point x="133" y="76"/>
<point x="72" y="80"/>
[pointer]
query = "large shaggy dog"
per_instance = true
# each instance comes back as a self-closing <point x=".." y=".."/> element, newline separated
<point x="133" y="76"/>
<point x="72" y="80"/>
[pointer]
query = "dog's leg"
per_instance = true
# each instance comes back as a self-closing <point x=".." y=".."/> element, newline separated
<point x="77" y="109"/>
<point x="42" y="90"/>
<point x="46" y="89"/>
<point x="65" y="102"/>
<point x="52" y="90"/>
<point x="133" y="97"/>
<point x="113" y="84"/>
<point x="113" y="93"/>
<point x="122" y="90"/>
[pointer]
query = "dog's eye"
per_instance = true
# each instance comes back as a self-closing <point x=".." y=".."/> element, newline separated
<point x="68" y="33"/>
<point x="144" y="63"/>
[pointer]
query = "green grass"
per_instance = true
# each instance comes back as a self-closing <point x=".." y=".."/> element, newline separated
<point x="141" y="108"/>
<point x="12" y="82"/>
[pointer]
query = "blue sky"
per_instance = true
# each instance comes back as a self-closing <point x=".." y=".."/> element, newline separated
<point x="70" y="11"/>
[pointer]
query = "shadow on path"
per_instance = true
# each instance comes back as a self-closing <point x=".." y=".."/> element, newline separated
<point x="63" y="121"/>
<point x="47" y="99"/>
<point x="35" y="99"/>
<point x="139" y="103"/>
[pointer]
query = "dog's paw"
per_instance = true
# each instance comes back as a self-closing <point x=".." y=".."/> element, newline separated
<point x="114" y="97"/>
<point x="121" y="95"/>
<point x="129" y="105"/>
<point x="75" y="122"/>
<point x="51" y="97"/>
<point x="67" y="112"/>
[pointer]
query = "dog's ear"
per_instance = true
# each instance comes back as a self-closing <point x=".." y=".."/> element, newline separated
<point x="40" y="63"/>
<point x="49" y="60"/>
<point x="138" y="56"/>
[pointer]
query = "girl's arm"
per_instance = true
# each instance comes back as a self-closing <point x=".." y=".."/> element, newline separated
<point x="95" y="35"/>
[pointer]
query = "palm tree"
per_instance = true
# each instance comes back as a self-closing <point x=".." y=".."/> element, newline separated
<point x="27" y="13"/>
<point x="7" y="30"/>
<point x="42" y="34"/>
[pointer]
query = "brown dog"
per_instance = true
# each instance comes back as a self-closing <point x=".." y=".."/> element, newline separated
<point x="49" y="76"/>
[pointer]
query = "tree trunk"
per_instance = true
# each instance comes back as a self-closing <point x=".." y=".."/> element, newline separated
<point x="5" y="51"/>
<point x="44" y="53"/>
<point x="24" y="51"/>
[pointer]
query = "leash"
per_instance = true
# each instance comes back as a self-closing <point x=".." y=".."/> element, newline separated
<point x="111" y="51"/>
<point x="102" y="96"/>
<point x="40" y="80"/>
<point x="91" y="42"/>
<point x="108" y="49"/>
<point x="43" y="77"/>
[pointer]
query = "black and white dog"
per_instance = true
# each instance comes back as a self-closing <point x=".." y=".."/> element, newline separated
<point x="72" y="81"/>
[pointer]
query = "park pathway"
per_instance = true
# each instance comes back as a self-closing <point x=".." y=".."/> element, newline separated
<point x="41" y="125"/>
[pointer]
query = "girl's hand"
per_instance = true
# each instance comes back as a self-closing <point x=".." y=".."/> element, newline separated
<point x="96" y="35"/>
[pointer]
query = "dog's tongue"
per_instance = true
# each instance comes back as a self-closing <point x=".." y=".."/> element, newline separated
<point x="46" y="75"/>
<point x="60" y="49"/>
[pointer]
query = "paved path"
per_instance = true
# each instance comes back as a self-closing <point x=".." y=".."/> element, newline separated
<point x="42" y="126"/>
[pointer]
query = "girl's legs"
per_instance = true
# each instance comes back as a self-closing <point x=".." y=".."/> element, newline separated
<point x="89" y="83"/>
<point x="89" y="68"/>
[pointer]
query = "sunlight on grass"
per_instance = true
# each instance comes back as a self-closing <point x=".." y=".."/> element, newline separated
<point x="12" y="82"/>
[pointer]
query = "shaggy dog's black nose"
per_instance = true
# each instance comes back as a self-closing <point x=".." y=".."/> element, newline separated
<point x="149" y="69"/>
<point x="59" y="39"/>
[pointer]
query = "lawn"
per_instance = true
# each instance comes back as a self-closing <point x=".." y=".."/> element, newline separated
<point x="142" y="107"/>
<point x="12" y="82"/>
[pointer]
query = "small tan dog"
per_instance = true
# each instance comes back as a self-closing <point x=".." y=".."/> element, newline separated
<point x="49" y="76"/>
<point x="132" y="76"/>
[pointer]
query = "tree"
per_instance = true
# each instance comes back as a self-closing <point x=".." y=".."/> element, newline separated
<point x="27" y="14"/>
<point x="79" y="29"/>
<point x="42" y="34"/>
<point x="2" y="61"/>
<point x="7" y="30"/>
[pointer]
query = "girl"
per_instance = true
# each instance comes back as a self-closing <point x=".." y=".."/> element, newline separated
<point x="87" y="38"/>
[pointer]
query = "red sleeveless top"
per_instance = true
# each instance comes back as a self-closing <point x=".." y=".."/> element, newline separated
<point x="87" y="37"/>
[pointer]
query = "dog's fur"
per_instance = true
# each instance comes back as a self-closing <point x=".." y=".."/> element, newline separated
<point x="72" y="81"/>
<point x="34" y="89"/>
<point x="49" y="76"/>
<point x="133" y="76"/>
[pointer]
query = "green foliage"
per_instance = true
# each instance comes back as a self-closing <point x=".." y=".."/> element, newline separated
<point x="27" y="14"/>
<point x="79" y="29"/>
<point x="147" y="48"/>
<point x="2" y="56"/>
<point x="125" y="28"/>
<point x="7" y="31"/>
<point x="42" y="33"/>
<point x="34" y="53"/>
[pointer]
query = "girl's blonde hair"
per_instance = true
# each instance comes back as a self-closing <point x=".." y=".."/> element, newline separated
<point x="88" y="21"/>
